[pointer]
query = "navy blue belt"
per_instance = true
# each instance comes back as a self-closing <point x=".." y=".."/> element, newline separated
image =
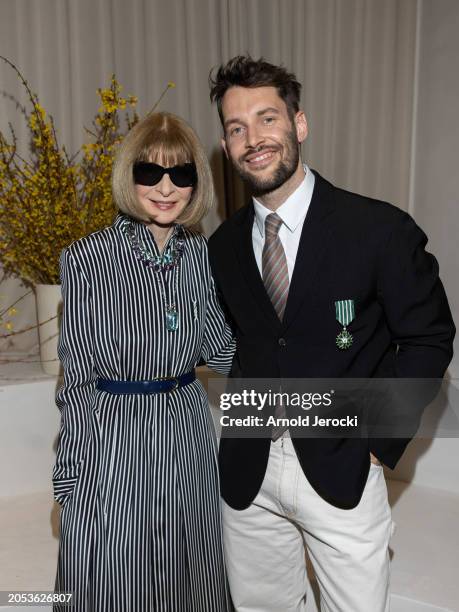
<point x="158" y="385"/>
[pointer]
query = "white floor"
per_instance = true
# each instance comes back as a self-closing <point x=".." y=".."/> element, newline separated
<point x="28" y="542"/>
<point x="425" y="546"/>
<point x="425" y="557"/>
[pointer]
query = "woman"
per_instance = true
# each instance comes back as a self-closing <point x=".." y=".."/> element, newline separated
<point x="136" y="470"/>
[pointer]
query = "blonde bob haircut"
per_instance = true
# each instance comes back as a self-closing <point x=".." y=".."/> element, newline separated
<point x="165" y="139"/>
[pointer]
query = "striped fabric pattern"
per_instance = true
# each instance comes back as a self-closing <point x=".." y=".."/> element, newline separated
<point x="274" y="265"/>
<point x="345" y="311"/>
<point x="137" y="475"/>
<point x="276" y="280"/>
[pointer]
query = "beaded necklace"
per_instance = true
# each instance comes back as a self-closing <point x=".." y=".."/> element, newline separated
<point x="160" y="264"/>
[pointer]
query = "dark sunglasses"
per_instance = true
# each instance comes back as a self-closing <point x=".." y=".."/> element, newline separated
<point x="146" y="173"/>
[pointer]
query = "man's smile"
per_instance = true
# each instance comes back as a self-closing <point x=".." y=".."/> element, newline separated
<point x="261" y="159"/>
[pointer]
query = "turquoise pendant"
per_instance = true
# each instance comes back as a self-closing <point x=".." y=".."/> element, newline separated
<point x="171" y="320"/>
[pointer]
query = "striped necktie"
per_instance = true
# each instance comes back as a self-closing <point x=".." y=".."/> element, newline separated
<point x="276" y="281"/>
<point x="274" y="265"/>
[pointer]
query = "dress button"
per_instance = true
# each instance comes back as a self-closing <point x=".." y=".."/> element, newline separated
<point x="282" y="342"/>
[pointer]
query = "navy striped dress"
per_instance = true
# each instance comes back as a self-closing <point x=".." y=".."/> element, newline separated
<point x="137" y="475"/>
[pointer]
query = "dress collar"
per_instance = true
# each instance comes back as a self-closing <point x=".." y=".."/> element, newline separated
<point x="122" y="221"/>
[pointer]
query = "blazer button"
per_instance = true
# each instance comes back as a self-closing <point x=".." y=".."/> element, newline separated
<point x="282" y="342"/>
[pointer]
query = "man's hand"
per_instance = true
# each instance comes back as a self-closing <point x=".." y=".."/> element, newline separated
<point x="374" y="460"/>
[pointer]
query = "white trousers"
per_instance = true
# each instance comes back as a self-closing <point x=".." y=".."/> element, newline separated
<point x="265" y="544"/>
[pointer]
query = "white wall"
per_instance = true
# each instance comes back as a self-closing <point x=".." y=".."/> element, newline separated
<point x="434" y="203"/>
<point x="435" y="191"/>
<point x="29" y="425"/>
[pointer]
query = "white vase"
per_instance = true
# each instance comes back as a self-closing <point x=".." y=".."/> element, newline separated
<point x="49" y="306"/>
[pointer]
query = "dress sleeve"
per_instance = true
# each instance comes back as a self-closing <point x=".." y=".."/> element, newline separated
<point x="219" y="344"/>
<point x="73" y="399"/>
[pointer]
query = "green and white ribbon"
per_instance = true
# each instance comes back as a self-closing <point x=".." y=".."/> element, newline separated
<point x="345" y="311"/>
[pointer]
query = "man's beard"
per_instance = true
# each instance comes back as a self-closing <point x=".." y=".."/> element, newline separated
<point x="284" y="170"/>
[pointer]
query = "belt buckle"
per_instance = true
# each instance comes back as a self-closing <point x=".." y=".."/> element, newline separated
<point x="174" y="378"/>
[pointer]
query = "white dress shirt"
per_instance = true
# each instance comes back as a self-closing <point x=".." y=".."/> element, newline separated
<point x="293" y="213"/>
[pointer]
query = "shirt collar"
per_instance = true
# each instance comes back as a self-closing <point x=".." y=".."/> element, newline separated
<point x="293" y="210"/>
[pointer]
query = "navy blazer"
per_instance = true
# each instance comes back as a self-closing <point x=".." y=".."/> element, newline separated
<point x="351" y="247"/>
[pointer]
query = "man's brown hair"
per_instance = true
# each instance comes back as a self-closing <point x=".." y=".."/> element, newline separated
<point x="244" y="71"/>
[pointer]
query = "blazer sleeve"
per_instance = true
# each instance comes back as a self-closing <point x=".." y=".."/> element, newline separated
<point x="420" y="323"/>
<point x="75" y="395"/>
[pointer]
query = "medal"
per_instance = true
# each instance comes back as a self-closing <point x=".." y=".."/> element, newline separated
<point x="344" y="339"/>
<point x="345" y="314"/>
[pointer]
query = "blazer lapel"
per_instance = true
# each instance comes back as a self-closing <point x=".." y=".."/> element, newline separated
<point x="313" y="245"/>
<point x="248" y="266"/>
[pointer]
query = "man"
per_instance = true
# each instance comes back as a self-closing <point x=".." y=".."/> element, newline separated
<point x="286" y="265"/>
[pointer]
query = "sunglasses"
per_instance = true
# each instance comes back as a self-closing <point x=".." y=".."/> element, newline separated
<point x="146" y="173"/>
